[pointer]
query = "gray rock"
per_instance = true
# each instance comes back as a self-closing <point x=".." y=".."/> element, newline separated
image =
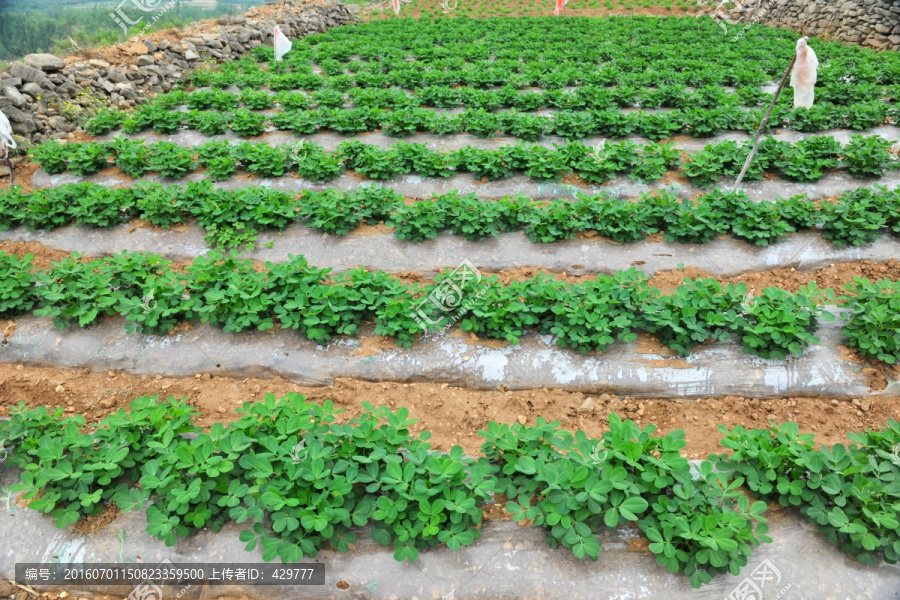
<point x="70" y="88"/>
<point x="164" y="45"/>
<point x="191" y="55"/>
<point x="13" y="94"/>
<point x="58" y="123"/>
<point x="116" y="76"/>
<point x="145" y="60"/>
<point x="15" y="115"/>
<point x="151" y="47"/>
<point x="24" y="127"/>
<point x="45" y="62"/>
<point x="26" y="73"/>
<point x="32" y="89"/>
<point x="12" y="82"/>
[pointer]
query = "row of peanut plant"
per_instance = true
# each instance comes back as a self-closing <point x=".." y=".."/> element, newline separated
<point x="298" y="480"/>
<point x="805" y="160"/>
<point x="232" y="293"/>
<point x="486" y="123"/>
<point x="233" y="218"/>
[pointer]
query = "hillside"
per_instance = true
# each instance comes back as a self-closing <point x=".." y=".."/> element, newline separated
<point x="59" y="26"/>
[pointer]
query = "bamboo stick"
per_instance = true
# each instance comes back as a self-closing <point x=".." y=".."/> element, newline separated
<point x="764" y="121"/>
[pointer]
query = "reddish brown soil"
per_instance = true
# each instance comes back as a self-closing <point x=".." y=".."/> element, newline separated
<point x="42" y="256"/>
<point x="834" y="276"/>
<point x="22" y="174"/>
<point x="453" y="415"/>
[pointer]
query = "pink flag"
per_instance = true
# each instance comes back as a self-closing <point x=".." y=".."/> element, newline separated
<point x="559" y="6"/>
<point x="396" y="7"/>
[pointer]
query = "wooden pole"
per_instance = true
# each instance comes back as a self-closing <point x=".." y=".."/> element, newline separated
<point x="7" y="158"/>
<point x="11" y="175"/>
<point x="764" y="121"/>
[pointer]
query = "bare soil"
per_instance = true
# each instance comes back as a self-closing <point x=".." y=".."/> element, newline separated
<point x="42" y="256"/>
<point x="453" y="415"/>
<point x="23" y="171"/>
<point x="834" y="276"/>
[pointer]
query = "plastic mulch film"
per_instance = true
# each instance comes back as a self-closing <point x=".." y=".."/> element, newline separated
<point x="715" y="369"/>
<point x="415" y="186"/>
<point x="721" y="257"/>
<point x="507" y="562"/>
<point x="330" y="141"/>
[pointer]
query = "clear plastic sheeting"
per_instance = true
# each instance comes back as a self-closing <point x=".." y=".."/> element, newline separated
<point x="722" y="256"/>
<point x="415" y="186"/>
<point x="715" y="369"/>
<point x="190" y="138"/>
<point x="6" y="136"/>
<point x="507" y="562"/>
<point x="804" y="75"/>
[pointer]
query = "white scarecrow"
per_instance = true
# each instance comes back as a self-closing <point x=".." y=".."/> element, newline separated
<point x="7" y="143"/>
<point x="803" y="77"/>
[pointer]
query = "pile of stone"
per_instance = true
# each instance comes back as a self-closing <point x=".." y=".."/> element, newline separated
<point x="43" y="94"/>
<point x="871" y="23"/>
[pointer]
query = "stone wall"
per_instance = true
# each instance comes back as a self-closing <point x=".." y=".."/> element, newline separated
<point x="43" y="95"/>
<point x="873" y="23"/>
